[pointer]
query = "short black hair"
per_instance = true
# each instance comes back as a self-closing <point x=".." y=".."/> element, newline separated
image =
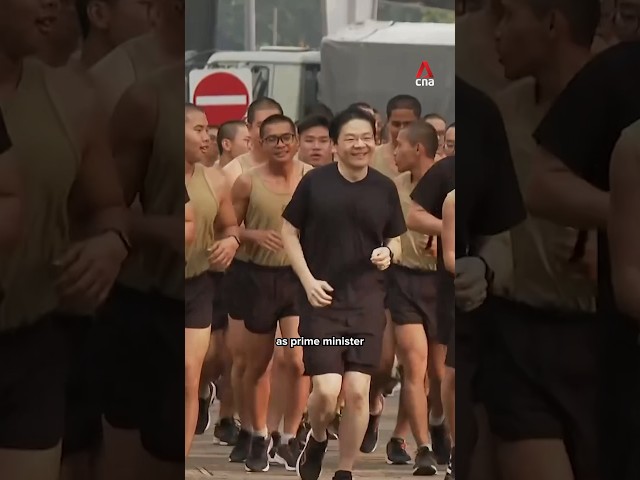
<point x="404" y="101"/>
<point x="345" y="117"/>
<point x="583" y="16"/>
<point x="319" y="109"/>
<point x="228" y="131"/>
<point x="424" y="134"/>
<point x="311" y="122"/>
<point x="453" y="125"/>
<point x="434" y="116"/>
<point x="263" y="103"/>
<point x="190" y="107"/>
<point x="361" y="105"/>
<point x="278" y="118"/>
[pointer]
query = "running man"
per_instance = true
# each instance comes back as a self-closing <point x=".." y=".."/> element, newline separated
<point x="211" y="200"/>
<point x="315" y="144"/>
<point x="338" y="246"/>
<point x="232" y="141"/>
<point x="270" y="288"/>
<point x="438" y="122"/>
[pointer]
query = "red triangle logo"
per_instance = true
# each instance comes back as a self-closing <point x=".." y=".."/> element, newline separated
<point x="424" y="71"/>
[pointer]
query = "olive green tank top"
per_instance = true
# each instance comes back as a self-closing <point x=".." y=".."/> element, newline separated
<point x="265" y="213"/>
<point x="414" y="244"/>
<point x="47" y="149"/>
<point x="205" y="208"/>
<point x="381" y="158"/>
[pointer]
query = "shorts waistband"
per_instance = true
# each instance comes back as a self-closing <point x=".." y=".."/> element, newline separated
<point x="268" y="268"/>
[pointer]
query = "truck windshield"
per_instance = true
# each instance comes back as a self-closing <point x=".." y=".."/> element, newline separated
<point x="310" y="88"/>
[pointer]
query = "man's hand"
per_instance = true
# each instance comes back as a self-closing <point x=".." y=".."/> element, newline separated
<point x="222" y="253"/>
<point x="381" y="257"/>
<point x="269" y="239"/>
<point x="89" y="268"/>
<point x="470" y="283"/>
<point x="318" y="293"/>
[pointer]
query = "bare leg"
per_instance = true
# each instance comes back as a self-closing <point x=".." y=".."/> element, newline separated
<point x="355" y="418"/>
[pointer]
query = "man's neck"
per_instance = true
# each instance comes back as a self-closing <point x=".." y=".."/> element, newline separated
<point x="189" y="168"/>
<point x="10" y="74"/>
<point x="280" y="169"/>
<point x="224" y="160"/>
<point x="421" y="167"/>
<point x="555" y="76"/>
<point x="352" y="174"/>
<point x="94" y="49"/>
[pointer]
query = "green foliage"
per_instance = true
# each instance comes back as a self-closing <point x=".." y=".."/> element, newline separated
<point x="300" y="21"/>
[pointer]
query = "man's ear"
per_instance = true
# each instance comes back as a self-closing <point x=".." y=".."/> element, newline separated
<point x="99" y="14"/>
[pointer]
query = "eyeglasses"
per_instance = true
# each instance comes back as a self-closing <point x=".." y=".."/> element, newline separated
<point x="273" y="140"/>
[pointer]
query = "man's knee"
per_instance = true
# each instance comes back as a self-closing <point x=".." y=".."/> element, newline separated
<point x="293" y="361"/>
<point x="356" y="389"/>
<point x="326" y="389"/>
<point x="414" y="368"/>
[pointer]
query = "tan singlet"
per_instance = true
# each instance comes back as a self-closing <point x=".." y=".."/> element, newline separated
<point x="50" y="166"/>
<point x="414" y="254"/>
<point x="163" y="190"/>
<point x="382" y="157"/>
<point x="130" y="62"/>
<point x="265" y="213"/>
<point x="205" y="207"/>
<point x="542" y="274"/>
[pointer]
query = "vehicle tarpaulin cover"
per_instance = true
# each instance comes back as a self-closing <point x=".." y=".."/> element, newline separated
<point x="374" y="61"/>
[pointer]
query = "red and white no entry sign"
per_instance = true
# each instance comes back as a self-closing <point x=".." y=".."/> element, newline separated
<point x="224" y="95"/>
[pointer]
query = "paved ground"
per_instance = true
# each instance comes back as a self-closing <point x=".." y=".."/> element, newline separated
<point x="208" y="460"/>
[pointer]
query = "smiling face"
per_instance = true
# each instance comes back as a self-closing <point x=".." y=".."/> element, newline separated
<point x="25" y="25"/>
<point x="356" y="143"/>
<point x="196" y="137"/>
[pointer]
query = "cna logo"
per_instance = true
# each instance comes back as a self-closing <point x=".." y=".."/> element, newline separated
<point x="424" y="77"/>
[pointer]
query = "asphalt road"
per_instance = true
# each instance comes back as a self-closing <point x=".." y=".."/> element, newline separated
<point x="208" y="460"/>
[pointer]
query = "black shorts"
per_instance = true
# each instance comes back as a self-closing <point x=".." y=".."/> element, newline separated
<point x="83" y="418"/>
<point x="198" y="295"/>
<point x="141" y="363"/>
<point x="219" y="317"/>
<point x="412" y="297"/>
<point x="366" y="324"/>
<point x="445" y="308"/>
<point x="540" y="379"/>
<point x="270" y="294"/>
<point x="233" y="284"/>
<point x="34" y="368"/>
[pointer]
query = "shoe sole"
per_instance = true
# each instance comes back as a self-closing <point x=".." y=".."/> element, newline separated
<point x="248" y="470"/>
<point x="300" y="458"/>
<point x="425" y="471"/>
<point x="389" y="462"/>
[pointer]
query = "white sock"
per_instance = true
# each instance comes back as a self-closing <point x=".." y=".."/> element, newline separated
<point x="261" y="433"/>
<point x="428" y="445"/>
<point x="436" y="421"/>
<point x="286" y="437"/>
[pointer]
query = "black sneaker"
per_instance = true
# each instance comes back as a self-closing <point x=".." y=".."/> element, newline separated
<point x="273" y="446"/>
<point x="226" y="432"/>
<point x="426" y="463"/>
<point x="451" y="469"/>
<point x="342" y="475"/>
<point x="397" y="452"/>
<point x="441" y="443"/>
<point x="241" y="449"/>
<point x="370" y="440"/>
<point x="258" y="458"/>
<point x="204" y="419"/>
<point x="303" y="431"/>
<point x="287" y="454"/>
<point x="309" y="464"/>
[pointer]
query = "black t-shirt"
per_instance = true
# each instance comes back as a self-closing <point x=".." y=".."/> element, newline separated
<point x="584" y="124"/>
<point x="5" y="141"/>
<point x="341" y="223"/>
<point x="431" y="191"/>
<point x="488" y="198"/>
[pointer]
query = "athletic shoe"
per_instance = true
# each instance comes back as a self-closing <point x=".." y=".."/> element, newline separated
<point x="303" y="430"/>
<point x="397" y="452"/>
<point x="204" y="418"/>
<point x="241" y="449"/>
<point x="342" y="475"/>
<point x="309" y="464"/>
<point x="441" y="443"/>
<point x="370" y="440"/>
<point x="258" y="458"/>
<point x="287" y="454"/>
<point x="226" y="432"/>
<point x="426" y="463"/>
<point x="334" y="427"/>
<point x="451" y="469"/>
<point x="273" y="446"/>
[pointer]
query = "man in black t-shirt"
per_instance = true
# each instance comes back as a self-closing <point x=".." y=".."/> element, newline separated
<point x="10" y="201"/>
<point x="340" y="232"/>
<point x="570" y="186"/>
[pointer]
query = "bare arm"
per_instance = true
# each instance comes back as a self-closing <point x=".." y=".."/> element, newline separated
<point x="240" y="194"/>
<point x="421" y="221"/>
<point x="226" y="222"/>
<point x="554" y="192"/>
<point x="293" y="249"/>
<point x="449" y="232"/>
<point x="11" y="202"/>
<point x="624" y="229"/>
